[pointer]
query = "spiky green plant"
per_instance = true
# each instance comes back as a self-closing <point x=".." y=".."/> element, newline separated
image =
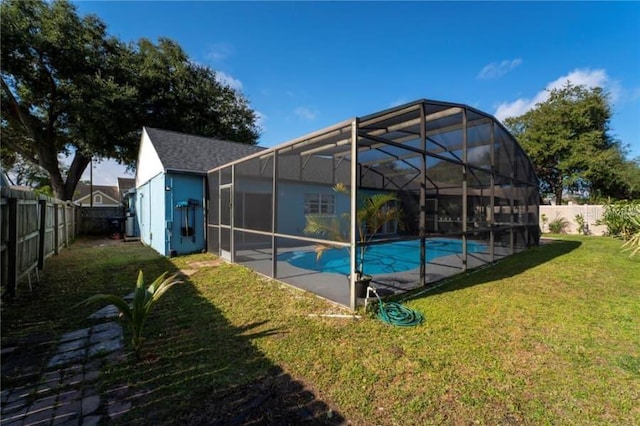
<point x="633" y="243"/>
<point x="618" y="218"/>
<point x="136" y="313"/>
<point x="373" y="213"/>
<point x="558" y="225"/>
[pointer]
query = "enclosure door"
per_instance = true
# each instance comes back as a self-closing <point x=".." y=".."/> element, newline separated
<point x="226" y="222"/>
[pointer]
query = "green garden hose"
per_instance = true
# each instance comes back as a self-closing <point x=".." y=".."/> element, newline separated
<point x="394" y="313"/>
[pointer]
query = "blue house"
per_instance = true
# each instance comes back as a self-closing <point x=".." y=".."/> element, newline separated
<point x="170" y="198"/>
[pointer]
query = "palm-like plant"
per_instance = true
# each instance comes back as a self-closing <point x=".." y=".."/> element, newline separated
<point x="373" y="213"/>
<point x="633" y="243"/>
<point x="137" y="312"/>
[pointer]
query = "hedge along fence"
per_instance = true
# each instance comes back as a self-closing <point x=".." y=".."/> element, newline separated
<point x="34" y="227"/>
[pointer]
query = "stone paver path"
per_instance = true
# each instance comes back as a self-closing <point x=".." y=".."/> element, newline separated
<point x="66" y="392"/>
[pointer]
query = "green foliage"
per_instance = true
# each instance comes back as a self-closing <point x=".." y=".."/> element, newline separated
<point x="545" y="220"/>
<point x="69" y="88"/>
<point x="136" y="314"/>
<point x="582" y="229"/>
<point x="558" y="225"/>
<point x="373" y="213"/>
<point x="569" y="142"/>
<point x="621" y="218"/>
<point x="633" y="243"/>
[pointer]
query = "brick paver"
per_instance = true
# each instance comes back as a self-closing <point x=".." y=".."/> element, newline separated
<point x="64" y="393"/>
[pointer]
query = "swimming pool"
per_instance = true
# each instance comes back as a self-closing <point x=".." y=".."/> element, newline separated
<point x="381" y="259"/>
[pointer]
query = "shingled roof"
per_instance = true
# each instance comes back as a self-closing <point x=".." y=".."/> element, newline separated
<point x="83" y="189"/>
<point x="180" y="151"/>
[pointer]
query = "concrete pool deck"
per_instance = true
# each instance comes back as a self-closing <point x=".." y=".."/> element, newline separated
<point x="335" y="287"/>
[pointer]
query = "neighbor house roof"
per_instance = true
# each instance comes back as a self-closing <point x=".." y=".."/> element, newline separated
<point x="183" y="152"/>
<point x="83" y="190"/>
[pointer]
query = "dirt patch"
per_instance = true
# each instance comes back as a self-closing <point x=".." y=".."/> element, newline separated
<point x="205" y="263"/>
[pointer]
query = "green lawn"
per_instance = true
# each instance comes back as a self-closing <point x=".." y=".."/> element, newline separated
<point x="551" y="335"/>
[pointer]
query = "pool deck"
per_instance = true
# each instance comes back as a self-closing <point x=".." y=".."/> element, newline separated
<point x="335" y="287"/>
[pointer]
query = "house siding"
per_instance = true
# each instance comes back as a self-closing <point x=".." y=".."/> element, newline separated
<point x="291" y="217"/>
<point x="150" y="199"/>
<point x="149" y="164"/>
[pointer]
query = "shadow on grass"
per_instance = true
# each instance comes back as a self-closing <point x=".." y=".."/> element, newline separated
<point x="505" y="268"/>
<point x="196" y="367"/>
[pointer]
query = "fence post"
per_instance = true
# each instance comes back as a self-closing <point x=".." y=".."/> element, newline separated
<point x="65" y="221"/>
<point x="12" y="248"/>
<point x="42" y="232"/>
<point x="56" y="225"/>
<point x="75" y="222"/>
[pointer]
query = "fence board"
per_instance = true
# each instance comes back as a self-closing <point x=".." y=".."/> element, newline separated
<point x="33" y="228"/>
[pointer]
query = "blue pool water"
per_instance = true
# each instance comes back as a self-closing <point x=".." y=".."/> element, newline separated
<point x="381" y="259"/>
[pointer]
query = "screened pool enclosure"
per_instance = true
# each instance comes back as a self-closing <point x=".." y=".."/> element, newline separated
<point x="463" y="191"/>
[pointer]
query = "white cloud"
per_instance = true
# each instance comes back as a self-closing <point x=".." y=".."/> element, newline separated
<point x="305" y="113"/>
<point x="107" y="172"/>
<point x="228" y="80"/>
<point x="586" y="77"/>
<point x="498" y="69"/>
<point x="219" y="52"/>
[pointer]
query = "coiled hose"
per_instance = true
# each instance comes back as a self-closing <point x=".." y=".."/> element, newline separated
<point x="394" y="313"/>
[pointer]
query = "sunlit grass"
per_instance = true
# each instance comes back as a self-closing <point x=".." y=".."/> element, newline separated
<point x="551" y="336"/>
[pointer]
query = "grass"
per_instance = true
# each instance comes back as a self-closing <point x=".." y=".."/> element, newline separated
<point x="551" y="335"/>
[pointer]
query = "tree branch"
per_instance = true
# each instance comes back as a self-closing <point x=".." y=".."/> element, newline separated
<point x="20" y="150"/>
<point x="24" y="117"/>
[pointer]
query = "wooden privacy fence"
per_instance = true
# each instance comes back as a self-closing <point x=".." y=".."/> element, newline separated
<point x="33" y="228"/>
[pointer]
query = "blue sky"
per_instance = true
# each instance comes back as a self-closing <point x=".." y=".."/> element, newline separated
<point x="307" y="65"/>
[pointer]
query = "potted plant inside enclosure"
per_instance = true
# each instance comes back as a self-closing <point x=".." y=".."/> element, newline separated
<point x="373" y="213"/>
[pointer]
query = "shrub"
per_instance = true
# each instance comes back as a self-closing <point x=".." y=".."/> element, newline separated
<point x="545" y="220"/>
<point x="633" y="244"/>
<point x="582" y="226"/>
<point x="621" y="218"/>
<point x="558" y="225"/>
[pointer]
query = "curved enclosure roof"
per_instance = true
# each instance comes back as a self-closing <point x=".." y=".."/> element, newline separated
<point x="454" y="133"/>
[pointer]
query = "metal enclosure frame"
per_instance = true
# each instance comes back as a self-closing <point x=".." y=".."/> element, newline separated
<point x="468" y="193"/>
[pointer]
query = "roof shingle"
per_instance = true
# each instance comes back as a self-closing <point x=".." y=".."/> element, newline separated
<point x="180" y="151"/>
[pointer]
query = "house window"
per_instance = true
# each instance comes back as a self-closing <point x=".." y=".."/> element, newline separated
<point x="319" y="204"/>
<point x="97" y="199"/>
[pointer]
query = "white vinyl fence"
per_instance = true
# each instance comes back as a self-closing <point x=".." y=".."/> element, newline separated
<point x="590" y="213"/>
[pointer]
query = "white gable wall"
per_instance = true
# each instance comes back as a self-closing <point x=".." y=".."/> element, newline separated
<point x="149" y="164"/>
<point x="107" y="201"/>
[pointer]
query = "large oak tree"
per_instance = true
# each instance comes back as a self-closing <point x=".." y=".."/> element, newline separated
<point x="70" y="89"/>
<point x="569" y="141"/>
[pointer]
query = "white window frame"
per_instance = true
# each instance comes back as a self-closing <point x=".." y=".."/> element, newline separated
<point x="319" y="203"/>
<point x="97" y="199"/>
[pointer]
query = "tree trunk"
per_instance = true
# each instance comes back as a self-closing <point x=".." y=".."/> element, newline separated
<point x="559" y="194"/>
<point x="48" y="159"/>
<point x="78" y="166"/>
